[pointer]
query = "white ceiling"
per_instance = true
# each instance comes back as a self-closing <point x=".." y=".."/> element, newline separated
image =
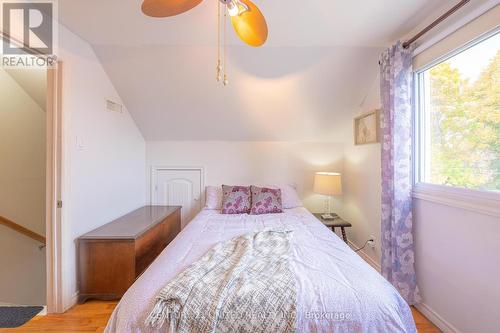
<point x="291" y="22"/>
<point x="33" y="82"/>
<point x="273" y="94"/>
<point x="305" y="83"/>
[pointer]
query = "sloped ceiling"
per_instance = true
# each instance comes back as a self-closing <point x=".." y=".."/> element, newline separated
<point x="305" y="84"/>
<point x="33" y="82"/>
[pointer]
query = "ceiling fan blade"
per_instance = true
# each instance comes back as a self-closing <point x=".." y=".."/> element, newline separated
<point x="251" y="25"/>
<point x="165" y="8"/>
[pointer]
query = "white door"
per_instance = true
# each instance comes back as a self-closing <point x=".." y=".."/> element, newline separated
<point x="179" y="187"/>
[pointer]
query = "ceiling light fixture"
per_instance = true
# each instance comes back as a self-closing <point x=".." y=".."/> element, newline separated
<point x="247" y="20"/>
<point x="249" y="24"/>
<point x="235" y="7"/>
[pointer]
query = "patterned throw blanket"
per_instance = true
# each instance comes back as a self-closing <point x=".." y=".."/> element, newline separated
<point x="242" y="285"/>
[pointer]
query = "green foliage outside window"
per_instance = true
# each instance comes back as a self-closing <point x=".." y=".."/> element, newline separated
<point x="465" y="127"/>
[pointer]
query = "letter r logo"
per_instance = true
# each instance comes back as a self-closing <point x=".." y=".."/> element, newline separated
<point x="27" y="27"/>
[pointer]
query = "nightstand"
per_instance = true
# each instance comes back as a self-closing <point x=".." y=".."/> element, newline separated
<point x="337" y="223"/>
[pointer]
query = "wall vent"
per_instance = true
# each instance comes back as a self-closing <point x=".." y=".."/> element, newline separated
<point x="113" y="106"/>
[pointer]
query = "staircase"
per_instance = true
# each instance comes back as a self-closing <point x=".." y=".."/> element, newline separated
<point x="23" y="262"/>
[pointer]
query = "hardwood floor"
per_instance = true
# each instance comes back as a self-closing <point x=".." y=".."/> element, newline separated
<point x="93" y="316"/>
<point x="424" y="325"/>
<point x="88" y="317"/>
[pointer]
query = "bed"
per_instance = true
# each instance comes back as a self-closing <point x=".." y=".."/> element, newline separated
<point x="336" y="290"/>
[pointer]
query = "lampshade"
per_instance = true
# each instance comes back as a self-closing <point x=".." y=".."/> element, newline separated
<point x="251" y="25"/>
<point x="328" y="183"/>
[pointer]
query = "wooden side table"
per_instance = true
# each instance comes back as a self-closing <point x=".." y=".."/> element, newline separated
<point x="337" y="223"/>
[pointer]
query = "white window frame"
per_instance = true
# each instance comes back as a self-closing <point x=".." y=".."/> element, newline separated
<point x="480" y="201"/>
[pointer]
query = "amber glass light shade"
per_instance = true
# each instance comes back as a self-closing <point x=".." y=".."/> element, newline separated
<point x="251" y="25"/>
<point x="165" y="8"/>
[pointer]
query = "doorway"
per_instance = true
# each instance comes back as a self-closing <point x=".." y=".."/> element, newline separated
<point x="30" y="187"/>
<point x="23" y="151"/>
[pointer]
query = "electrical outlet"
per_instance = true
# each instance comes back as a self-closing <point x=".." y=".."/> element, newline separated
<point x="371" y="241"/>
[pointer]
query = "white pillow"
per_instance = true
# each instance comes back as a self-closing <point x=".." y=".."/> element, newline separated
<point x="289" y="196"/>
<point x="213" y="197"/>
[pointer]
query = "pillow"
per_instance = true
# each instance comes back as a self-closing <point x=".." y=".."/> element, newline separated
<point x="213" y="197"/>
<point x="289" y="196"/>
<point x="235" y="199"/>
<point x="266" y="200"/>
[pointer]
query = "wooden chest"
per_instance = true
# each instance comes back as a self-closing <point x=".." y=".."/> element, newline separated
<point x="113" y="256"/>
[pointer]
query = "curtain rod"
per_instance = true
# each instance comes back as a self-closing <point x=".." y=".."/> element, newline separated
<point x="436" y="22"/>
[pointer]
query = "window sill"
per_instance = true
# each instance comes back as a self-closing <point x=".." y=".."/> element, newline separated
<point x="482" y="202"/>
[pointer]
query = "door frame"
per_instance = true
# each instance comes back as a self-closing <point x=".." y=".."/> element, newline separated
<point x="53" y="185"/>
<point x="53" y="191"/>
<point x="154" y="172"/>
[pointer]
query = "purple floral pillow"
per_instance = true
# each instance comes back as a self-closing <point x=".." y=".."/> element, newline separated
<point x="235" y="199"/>
<point x="266" y="201"/>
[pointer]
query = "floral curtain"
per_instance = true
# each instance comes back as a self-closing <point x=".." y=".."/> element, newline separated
<point x="396" y="127"/>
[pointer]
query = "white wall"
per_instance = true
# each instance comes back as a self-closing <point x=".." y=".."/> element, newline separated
<point x="458" y="265"/>
<point x="105" y="177"/>
<point x="22" y="192"/>
<point x="249" y="162"/>
<point x="362" y="189"/>
<point x="22" y="147"/>
<point x="22" y="281"/>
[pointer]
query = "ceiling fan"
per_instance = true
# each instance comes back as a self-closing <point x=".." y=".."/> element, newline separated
<point x="247" y="20"/>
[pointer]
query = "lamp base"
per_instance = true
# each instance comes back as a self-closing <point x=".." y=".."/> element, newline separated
<point x="329" y="216"/>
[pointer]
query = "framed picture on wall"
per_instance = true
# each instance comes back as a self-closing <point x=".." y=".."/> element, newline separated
<point x="367" y="128"/>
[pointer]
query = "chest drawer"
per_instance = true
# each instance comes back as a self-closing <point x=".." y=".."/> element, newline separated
<point x="111" y="257"/>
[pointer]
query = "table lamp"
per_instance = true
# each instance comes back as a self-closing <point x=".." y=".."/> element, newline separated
<point x="329" y="184"/>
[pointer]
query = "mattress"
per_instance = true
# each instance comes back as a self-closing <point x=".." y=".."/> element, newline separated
<point x="337" y="291"/>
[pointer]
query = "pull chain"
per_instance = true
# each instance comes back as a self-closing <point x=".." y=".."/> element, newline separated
<point x="219" y="64"/>
<point x="221" y="69"/>
<point x="225" y="82"/>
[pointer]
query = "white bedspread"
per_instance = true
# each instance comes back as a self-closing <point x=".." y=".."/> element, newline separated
<point x="336" y="290"/>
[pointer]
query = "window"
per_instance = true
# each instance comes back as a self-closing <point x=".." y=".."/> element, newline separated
<point x="458" y="118"/>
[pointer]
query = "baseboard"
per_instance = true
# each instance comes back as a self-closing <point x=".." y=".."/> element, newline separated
<point x="7" y="304"/>
<point x="427" y="311"/>
<point x="74" y="298"/>
<point x="72" y="301"/>
<point x="43" y="312"/>
<point x="365" y="256"/>
<point x="439" y="321"/>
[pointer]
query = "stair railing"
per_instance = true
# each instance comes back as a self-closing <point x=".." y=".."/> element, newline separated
<point x="24" y="231"/>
